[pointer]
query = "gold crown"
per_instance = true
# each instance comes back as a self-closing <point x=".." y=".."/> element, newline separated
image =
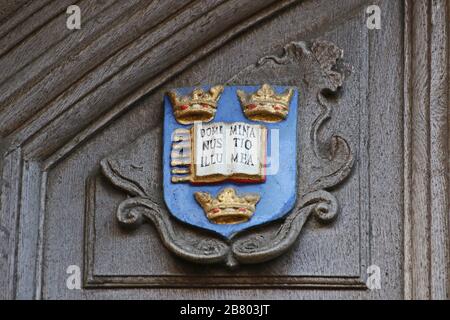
<point x="199" y="106"/>
<point x="228" y="208"/>
<point x="265" y="104"/>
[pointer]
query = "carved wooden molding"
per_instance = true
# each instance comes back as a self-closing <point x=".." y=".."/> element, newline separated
<point x="140" y="57"/>
<point x="426" y="149"/>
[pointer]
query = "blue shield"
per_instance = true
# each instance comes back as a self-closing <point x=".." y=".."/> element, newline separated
<point x="277" y="192"/>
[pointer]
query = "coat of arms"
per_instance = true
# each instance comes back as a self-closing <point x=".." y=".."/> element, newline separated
<point x="229" y="172"/>
<point x="230" y="155"/>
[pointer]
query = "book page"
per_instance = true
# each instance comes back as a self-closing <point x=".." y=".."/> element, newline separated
<point x="244" y="148"/>
<point x="209" y="147"/>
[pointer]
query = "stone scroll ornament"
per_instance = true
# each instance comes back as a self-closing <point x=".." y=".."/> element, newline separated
<point x="230" y="167"/>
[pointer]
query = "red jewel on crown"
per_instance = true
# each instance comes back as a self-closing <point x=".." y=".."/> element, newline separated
<point x="265" y="104"/>
<point x="200" y="105"/>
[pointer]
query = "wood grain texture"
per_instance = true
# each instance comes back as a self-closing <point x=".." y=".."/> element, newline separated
<point x="9" y="204"/>
<point x="426" y="150"/>
<point x="439" y="149"/>
<point x="106" y="29"/>
<point x="149" y="54"/>
<point x="46" y="41"/>
<point x="18" y="25"/>
<point x="31" y="25"/>
<point x="65" y="105"/>
<point x="10" y="7"/>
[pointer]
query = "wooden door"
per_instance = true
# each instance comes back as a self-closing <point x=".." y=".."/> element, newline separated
<point x="71" y="98"/>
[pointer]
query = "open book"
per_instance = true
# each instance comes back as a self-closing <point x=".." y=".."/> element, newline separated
<point x="227" y="151"/>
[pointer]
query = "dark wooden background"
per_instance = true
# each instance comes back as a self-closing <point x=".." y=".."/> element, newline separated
<point x="70" y="98"/>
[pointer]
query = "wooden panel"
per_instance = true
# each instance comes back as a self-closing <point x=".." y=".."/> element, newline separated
<point x="139" y="259"/>
<point x="67" y="105"/>
<point x="426" y="150"/>
<point x="10" y="7"/>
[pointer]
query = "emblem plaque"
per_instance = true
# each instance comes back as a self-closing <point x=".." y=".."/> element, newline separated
<point x="230" y="191"/>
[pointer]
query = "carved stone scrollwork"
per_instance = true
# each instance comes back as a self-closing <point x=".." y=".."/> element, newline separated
<point x="317" y="63"/>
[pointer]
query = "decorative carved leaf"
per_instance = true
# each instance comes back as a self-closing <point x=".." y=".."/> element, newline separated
<point x="137" y="168"/>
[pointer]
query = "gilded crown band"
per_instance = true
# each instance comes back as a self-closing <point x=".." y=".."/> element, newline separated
<point x="264" y="105"/>
<point x="199" y="106"/>
<point x="228" y="207"/>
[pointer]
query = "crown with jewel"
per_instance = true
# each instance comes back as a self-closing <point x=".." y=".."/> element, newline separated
<point x="265" y="104"/>
<point x="200" y="105"/>
<point x="228" y="207"/>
